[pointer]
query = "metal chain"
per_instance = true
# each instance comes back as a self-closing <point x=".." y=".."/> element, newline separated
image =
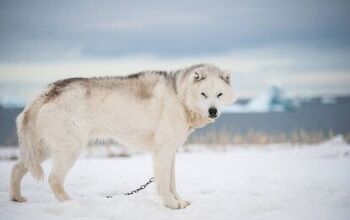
<point x="136" y="190"/>
<point x="140" y="188"/>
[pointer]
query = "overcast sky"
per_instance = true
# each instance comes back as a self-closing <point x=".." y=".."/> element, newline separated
<point x="301" y="45"/>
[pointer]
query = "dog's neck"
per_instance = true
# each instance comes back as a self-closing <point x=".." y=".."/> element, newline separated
<point x="195" y="120"/>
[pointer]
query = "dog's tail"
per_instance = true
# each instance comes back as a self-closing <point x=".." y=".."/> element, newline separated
<point x="31" y="148"/>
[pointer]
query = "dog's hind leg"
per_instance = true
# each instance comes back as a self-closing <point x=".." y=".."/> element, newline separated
<point x="18" y="172"/>
<point x="63" y="160"/>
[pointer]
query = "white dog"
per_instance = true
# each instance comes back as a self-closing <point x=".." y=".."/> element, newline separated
<point x="154" y="110"/>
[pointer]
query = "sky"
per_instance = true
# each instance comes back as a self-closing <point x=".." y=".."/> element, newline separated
<point x="303" y="46"/>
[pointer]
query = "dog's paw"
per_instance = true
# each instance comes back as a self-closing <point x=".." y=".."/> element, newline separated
<point x="183" y="203"/>
<point x="173" y="203"/>
<point x="177" y="204"/>
<point x="18" y="199"/>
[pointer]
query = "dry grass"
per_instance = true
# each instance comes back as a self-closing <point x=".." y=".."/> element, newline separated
<point x="261" y="138"/>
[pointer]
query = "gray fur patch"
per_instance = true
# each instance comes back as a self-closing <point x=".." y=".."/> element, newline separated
<point x="59" y="86"/>
<point x="137" y="83"/>
<point x="133" y="76"/>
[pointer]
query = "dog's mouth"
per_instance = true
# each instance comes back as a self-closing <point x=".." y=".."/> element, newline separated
<point x="213" y="116"/>
<point x="212" y="119"/>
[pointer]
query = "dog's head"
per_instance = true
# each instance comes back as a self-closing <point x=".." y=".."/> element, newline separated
<point x="206" y="89"/>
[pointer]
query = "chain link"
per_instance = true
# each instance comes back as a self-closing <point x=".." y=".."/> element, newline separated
<point x="142" y="187"/>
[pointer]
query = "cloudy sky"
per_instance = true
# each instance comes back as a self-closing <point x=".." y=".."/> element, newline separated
<point x="302" y="45"/>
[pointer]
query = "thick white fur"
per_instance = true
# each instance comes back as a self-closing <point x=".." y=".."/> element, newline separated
<point x="153" y="111"/>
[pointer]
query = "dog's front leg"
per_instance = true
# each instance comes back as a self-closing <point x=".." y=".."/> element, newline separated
<point x="184" y="203"/>
<point x="162" y="162"/>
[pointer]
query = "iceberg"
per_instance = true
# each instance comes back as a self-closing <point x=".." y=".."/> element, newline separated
<point x="271" y="100"/>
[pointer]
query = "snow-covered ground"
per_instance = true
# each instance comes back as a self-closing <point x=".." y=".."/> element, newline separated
<point x="269" y="182"/>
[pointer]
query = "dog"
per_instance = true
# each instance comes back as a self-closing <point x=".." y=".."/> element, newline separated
<point x="152" y="110"/>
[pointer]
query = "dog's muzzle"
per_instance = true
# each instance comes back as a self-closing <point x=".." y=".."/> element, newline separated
<point x="213" y="112"/>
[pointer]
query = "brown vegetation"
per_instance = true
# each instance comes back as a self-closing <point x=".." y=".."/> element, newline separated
<point x="261" y="138"/>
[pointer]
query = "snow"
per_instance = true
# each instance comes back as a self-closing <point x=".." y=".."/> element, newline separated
<point x="244" y="182"/>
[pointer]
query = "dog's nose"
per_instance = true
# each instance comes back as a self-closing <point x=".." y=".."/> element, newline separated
<point x="213" y="112"/>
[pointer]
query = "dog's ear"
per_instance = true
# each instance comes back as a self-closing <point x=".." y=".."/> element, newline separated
<point x="226" y="76"/>
<point x="197" y="76"/>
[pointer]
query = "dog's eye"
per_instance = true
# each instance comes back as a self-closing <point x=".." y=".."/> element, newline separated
<point x="203" y="94"/>
<point x="220" y="94"/>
